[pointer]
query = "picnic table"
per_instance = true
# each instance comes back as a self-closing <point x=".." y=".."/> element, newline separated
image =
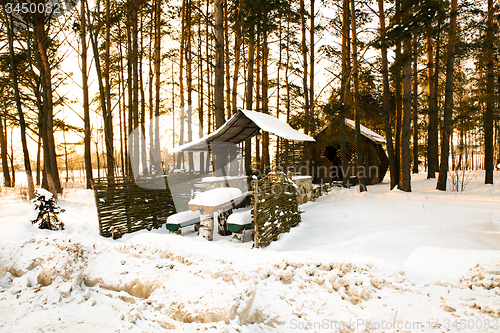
<point x="218" y="200"/>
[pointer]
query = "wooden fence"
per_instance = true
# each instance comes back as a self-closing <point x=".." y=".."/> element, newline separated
<point x="275" y="201"/>
<point x="125" y="205"/>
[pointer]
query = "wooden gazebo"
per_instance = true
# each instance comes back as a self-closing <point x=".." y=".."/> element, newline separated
<point x="243" y="125"/>
<point x="324" y="155"/>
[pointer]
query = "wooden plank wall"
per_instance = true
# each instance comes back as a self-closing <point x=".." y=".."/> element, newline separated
<point x="320" y="166"/>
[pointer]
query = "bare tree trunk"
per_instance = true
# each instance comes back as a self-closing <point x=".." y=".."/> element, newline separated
<point x="357" y="110"/>
<point x="219" y="63"/>
<point x="415" y="105"/>
<point x="399" y="102"/>
<point x="200" y="97"/>
<point x="287" y="87"/>
<point x="143" y="105"/>
<point x="448" y="103"/>
<point x="237" y="55"/>
<point x="436" y="99"/>
<point x="182" y="50"/>
<point x="258" y="101"/>
<point x="304" y="64"/>
<point x="103" y="92"/>
<point x="344" y="86"/>
<point x="312" y="60"/>
<point x="17" y="97"/>
<point x="433" y="115"/>
<point x="50" y="163"/>
<point x="266" y="161"/>
<point x="278" y="84"/>
<point x="85" y="88"/>
<point x="226" y="60"/>
<point x="249" y="99"/>
<point x="108" y="117"/>
<point x="135" y="83"/>
<point x="11" y="157"/>
<point x="405" y="163"/>
<point x="157" y="163"/>
<point x="38" y="160"/>
<point x="386" y="98"/>
<point x="3" y="146"/>
<point x="189" y="74"/>
<point x="209" y="81"/>
<point x="490" y="90"/>
<point x="151" y="72"/>
<point x="130" y="88"/>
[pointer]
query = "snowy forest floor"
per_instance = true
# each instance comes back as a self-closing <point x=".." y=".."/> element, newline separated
<point x="379" y="261"/>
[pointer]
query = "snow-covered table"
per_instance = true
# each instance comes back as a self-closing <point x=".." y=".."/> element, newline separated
<point x="220" y="200"/>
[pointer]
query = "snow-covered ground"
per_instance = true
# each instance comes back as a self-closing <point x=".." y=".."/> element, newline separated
<point x="380" y="261"/>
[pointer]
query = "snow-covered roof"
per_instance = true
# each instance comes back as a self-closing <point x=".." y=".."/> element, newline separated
<point x="366" y="132"/>
<point x="243" y="125"/>
<point x="278" y="127"/>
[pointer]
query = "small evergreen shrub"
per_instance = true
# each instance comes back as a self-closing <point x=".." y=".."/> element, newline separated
<point x="47" y="211"/>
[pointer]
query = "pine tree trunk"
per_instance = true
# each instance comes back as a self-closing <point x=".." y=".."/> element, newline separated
<point x="258" y="101"/>
<point x="237" y="56"/>
<point x="130" y="140"/>
<point x="135" y="84"/>
<point x="151" y="72"/>
<point x="3" y="146"/>
<point x="386" y="104"/>
<point x="304" y="64"/>
<point x="436" y="100"/>
<point x="85" y="89"/>
<point x="50" y="160"/>
<point x="157" y="148"/>
<point x="448" y="102"/>
<point x="180" y="156"/>
<point x="142" y="119"/>
<point x="344" y="86"/>
<point x="405" y="163"/>
<point x="399" y="101"/>
<point x="108" y="116"/>
<point x="200" y="97"/>
<point x="415" y="106"/>
<point x="279" y="147"/>
<point x="226" y="60"/>
<point x="189" y="76"/>
<point x="357" y="110"/>
<point x="219" y="63"/>
<point x="265" y="101"/>
<point x="249" y="99"/>
<point x="287" y="87"/>
<point x="20" y="113"/>
<point x="490" y="90"/>
<point x="312" y="60"/>
<point x="433" y="115"/>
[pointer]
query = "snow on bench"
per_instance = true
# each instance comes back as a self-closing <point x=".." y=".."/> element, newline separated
<point x="240" y="219"/>
<point x="182" y="219"/>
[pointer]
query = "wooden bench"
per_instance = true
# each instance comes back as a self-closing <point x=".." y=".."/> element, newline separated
<point x="180" y="220"/>
<point x="240" y="223"/>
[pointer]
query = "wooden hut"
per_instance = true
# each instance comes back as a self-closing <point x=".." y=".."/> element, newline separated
<point x="324" y="155"/>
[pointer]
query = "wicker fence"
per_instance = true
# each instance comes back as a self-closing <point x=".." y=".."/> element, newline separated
<point x="125" y="205"/>
<point x="275" y="200"/>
